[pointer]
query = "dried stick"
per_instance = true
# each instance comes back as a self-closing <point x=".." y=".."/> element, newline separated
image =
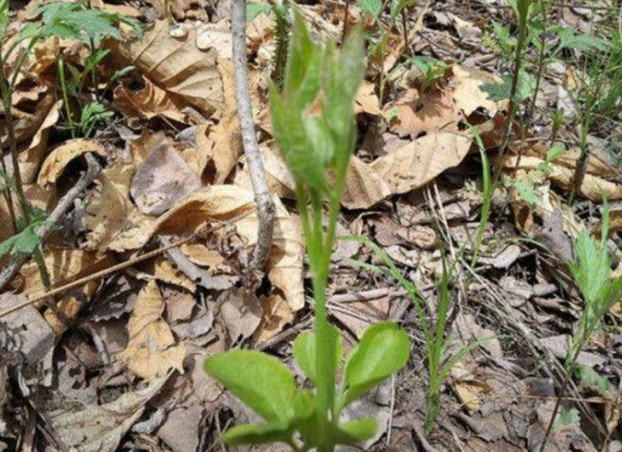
<point x="263" y="197"/>
<point x="63" y="206"/>
<point x="94" y="276"/>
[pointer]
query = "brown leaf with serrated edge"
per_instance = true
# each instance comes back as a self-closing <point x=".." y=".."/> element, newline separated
<point x="151" y="350"/>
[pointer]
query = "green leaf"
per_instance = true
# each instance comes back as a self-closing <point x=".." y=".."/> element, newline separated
<point x="567" y="417"/>
<point x="382" y="351"/>
<point x="356" y="431"/>
<point x="569" y="39"/>
<point x="304" y="352"/>
<point x="255" y="434"/>
<point x="554" y="153"/>
<point x="373" y="7"/>
<point x="26" y="241"/>
<point x="4" y="15"/>
<point x="255" y="9"/>
<point x="261" y="381"/>
<point x="589" y="377"/>
<point x="7" y="245"/>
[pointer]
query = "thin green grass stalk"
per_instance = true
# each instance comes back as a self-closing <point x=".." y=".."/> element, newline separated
<point x="544" y="10"/>
<point x="63" y="87"/>
<point x="6" y="88"/>
<point x="518" y="64"/>
<point x="436" y="339"/>
<point x="487" y="192"/>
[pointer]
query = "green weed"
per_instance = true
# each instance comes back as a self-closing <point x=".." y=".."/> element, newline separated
<point x="600" y="291"/>
<point x="314" y="126"/>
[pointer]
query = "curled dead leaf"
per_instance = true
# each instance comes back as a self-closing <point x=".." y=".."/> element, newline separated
<point x="55" y="163"/>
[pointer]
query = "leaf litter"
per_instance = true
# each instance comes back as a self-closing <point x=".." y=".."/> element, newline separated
<point x="137" y="338"/>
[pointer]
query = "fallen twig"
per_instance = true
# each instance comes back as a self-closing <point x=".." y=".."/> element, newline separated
<point x="97" y="275"/>
<point x="263" y="197"/>
<point x="61" y="208"/>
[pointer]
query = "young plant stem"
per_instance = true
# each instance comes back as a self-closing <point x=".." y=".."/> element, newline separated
<point x="513" y="107"/>
<point x="6" y="191"/>
<point x="344" y="31"/>
<point x="7" y="94"/>
<point x="560" y="397"/>
<point x="405" y="32"/>
<point x="63" y="86"/>
<point x="541" y="59"/>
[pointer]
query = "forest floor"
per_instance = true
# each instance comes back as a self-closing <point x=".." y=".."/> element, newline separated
<point x="159" y="230"/>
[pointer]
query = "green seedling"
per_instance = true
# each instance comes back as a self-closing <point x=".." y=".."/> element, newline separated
<point x="315" y="129"/>
<point x="379" y="41"/>
<point x="435" y="333"/>
<point x="90" y="27"/>
<point x="281" y="15"/>
<point x="488" y="189"/>
<point x="600" y="291"/>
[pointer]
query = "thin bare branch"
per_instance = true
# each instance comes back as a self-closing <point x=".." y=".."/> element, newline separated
<point x="263" y="197"/>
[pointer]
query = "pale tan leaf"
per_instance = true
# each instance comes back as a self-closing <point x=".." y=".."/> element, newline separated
<point x="59" y="158"/>
<point x="151" y="350"/>
<point x="422" y="160"/>
<point x="364" y="186"/>
<point x="177" y="65"/>
<point x="148" y="102"/>
<point x="468" y="93"/>
<point x="415" y="114"/>
<point x="101" y="427"/>
<point x="593" y="187"/>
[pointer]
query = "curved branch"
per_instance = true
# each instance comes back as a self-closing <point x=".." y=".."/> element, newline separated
<point x="263" y="197"/>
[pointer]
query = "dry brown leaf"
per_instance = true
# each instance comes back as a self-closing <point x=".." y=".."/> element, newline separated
<point x="421" y="161"/>
<point x="201" y="255"/>
<point x="279" y="179"/>
<point x="216" y="203"/>
<point x="163" y="270"/>
<point x="162" y="180"/>
<point x="364" y="186"/>
<point x="367" y="100"/>
<point x="468" y="93"/>
<point x="148" y="102"/>
<point x="415" y="114"/>
<point x="151" y="350"/>
<point x="64" y="264"/>
<point x="593" y="188"/>
<point x="110" y="213"/>
<point x="177" y="65"/>
<point x="215" y="36"/>
<point x="37" y="196"/>
<point x="276" y="314"/>
<point x="181" y="9"/>
<point x="241" y="313"/>
<point x="222" y="144"/>
<point x="101" y="427"/>
<point x="59" y="158"/>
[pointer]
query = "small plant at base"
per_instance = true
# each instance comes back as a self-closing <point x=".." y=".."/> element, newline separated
<point x="592" y="273"/>
<point x="314" y="125"/>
